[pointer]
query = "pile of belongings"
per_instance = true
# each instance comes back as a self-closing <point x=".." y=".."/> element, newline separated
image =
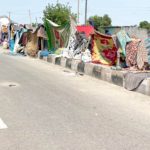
<point x="67" y="41"/>
<point x="78" y="44"/>
<point x="4" y="33"/>
<point x="29" y="41"/>
<point x="137" y="53"/>
<point x="133" y="49"/>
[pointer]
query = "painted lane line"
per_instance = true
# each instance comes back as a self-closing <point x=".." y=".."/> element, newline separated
<point x="2" y="124"/>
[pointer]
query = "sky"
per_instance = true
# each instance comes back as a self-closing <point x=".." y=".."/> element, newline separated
<point x="122" y="12"/>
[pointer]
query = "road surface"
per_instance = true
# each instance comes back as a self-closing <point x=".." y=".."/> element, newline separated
<point x="46" y="107"/>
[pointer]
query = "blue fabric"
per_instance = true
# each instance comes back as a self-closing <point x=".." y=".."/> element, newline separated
<point x="44" y="53"/>
<point x="11" y="45"/>
<point x="123" y="39"/>
<point x="147" y="40"/>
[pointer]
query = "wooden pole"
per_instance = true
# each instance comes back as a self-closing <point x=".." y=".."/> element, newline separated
<point x="9" y="16"/>
<point x="36" y="21"/>
<point x="42" y="44"/>
<point x="86" y="3"/>
<point x="78" y="11"/>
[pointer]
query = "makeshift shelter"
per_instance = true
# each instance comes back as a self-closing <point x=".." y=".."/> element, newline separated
<point x="133" y="49"/>
<point x="33" y="40"/>
<point x="18" y="38"/>
<point x="78" y="42"/>
<point x="4" y="23"/>
<point x="58" y="36"/>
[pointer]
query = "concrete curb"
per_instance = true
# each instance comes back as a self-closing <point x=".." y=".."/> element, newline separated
<point x="101" y="72"/>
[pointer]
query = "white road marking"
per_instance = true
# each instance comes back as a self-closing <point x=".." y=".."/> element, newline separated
<point x="2" y="124"/>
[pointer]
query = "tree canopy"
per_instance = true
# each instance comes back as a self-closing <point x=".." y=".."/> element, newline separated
<point x="59" y="13"/>
<point x="144" y="25"/>
<point x="100" y="21"/>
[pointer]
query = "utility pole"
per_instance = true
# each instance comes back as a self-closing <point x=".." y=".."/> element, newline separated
<point x="9" y="16"/>
<point x="78" y="11"/>
<point x="30" y="17"/>
<point x="86" y="3"/>
<point x="36" y="21"/>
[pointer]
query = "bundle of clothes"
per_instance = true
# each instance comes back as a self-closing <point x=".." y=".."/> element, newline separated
<point x="27" y="40"/>
<point x="134" y="51"/>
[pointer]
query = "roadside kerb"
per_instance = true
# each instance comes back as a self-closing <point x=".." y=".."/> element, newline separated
<point x="101" y="72"/>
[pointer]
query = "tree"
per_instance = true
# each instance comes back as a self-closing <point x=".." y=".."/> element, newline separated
<point x="145" y="25"/>
<point x="106" y="20"/>
<point x="100" y="22"/>
<point x="58" y="13"/>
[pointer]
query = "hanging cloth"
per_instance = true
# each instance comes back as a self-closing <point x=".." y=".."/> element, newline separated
<point x="123" y="39"/>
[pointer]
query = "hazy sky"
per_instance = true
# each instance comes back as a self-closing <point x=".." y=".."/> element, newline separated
<point x="122" y="12"/>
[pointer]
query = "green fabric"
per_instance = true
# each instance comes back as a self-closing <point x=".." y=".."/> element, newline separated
<point x="123" y="40"/>
<point x="59" y="51"/>
<point x="48" y="31"/>
<point x="58" y="36"/>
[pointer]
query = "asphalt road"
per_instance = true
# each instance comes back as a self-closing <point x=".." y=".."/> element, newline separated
<point x="45" y="107"/>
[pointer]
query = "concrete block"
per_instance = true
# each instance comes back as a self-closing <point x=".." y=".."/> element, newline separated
<point x="97" y="71"/>
<point x="57" y="60"/>
<point x="51" y="58"/>
<point x="147" y="89"/>
<point x="68" y="63"/>
<point x="117" y="78"/>
<point x="75" y="64"/>
<point x="144" y="88"/>
<point x="63" y="62"/>
<point x="39" y="55"/>
<point x="45" y="58"/>
<point x="81" y="66"/>
<point x="106" y="74"/>
<point x="88" y="69"/>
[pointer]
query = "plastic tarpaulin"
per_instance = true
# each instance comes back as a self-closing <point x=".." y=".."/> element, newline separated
<point x="88" y="30"/>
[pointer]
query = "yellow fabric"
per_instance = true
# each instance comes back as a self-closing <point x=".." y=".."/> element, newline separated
<point x="104" y="50"/>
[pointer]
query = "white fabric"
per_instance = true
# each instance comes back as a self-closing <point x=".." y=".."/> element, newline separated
<point x="86" y="56"/>
<point x="52" y="23"/>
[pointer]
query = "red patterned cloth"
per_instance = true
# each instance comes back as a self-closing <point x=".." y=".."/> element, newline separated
<point x="142" y="55"/>
<point x="131" y="52"/>
<point x="104" y="50"/>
